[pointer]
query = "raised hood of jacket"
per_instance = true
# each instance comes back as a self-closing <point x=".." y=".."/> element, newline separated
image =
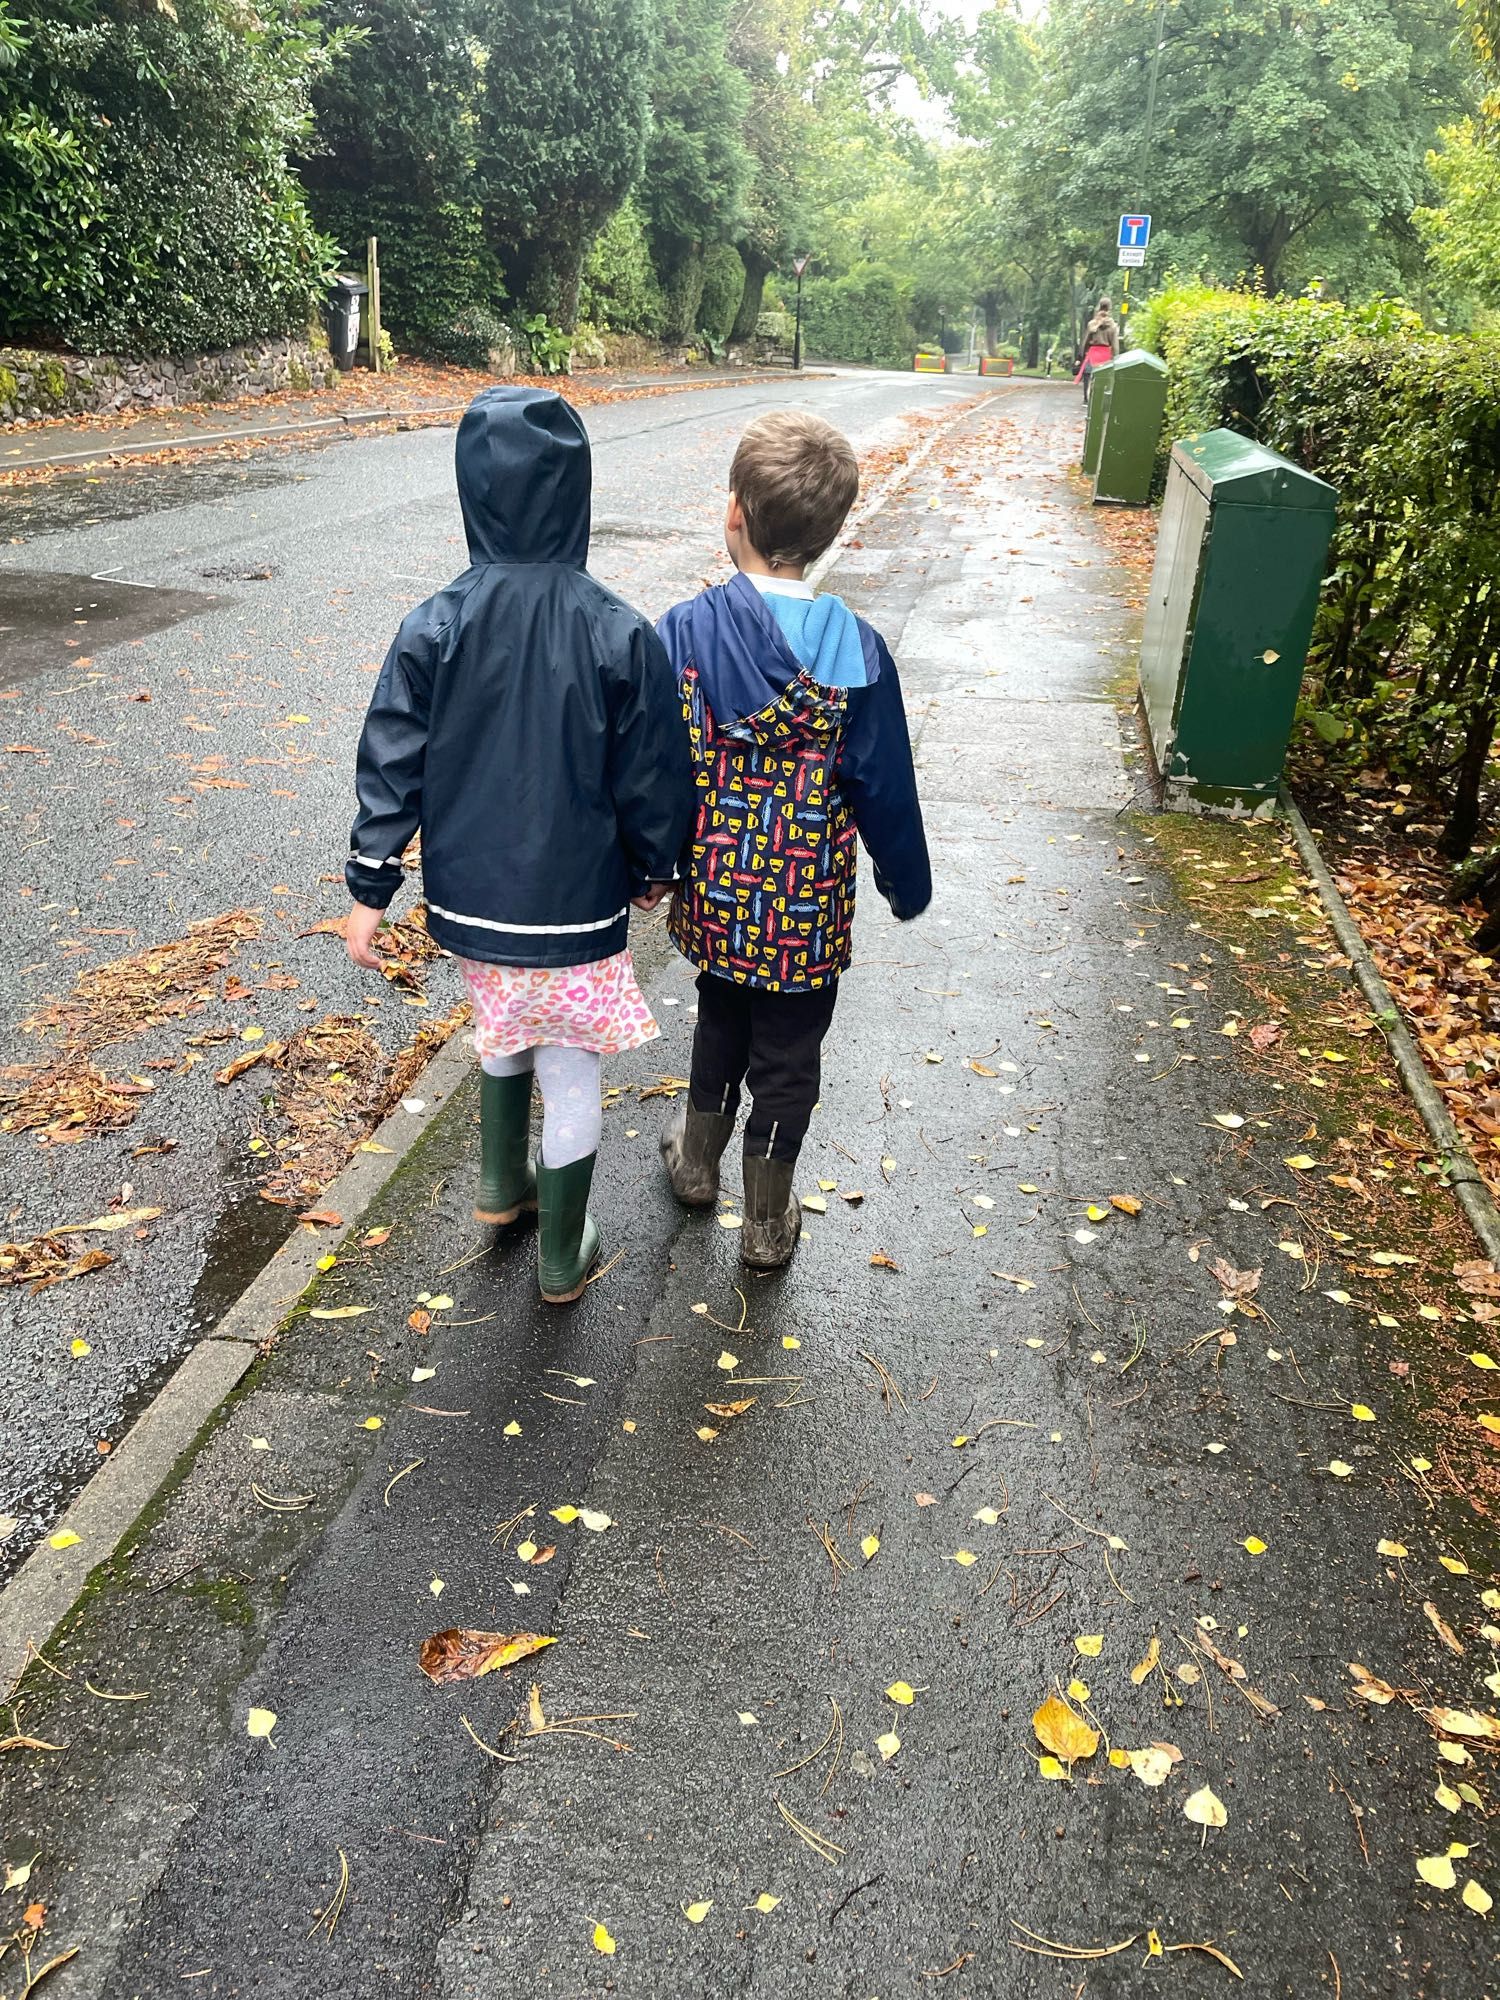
<point x="525" y="478"/>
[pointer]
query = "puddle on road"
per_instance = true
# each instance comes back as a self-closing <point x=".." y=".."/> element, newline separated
<point x="127" y="492"/>
<point x="50" y="619"/>
<point x="244" y="1237"/>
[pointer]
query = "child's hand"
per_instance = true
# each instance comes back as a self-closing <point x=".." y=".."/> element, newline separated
<point x="654" y="894"/>
<point x="359" y="928"/>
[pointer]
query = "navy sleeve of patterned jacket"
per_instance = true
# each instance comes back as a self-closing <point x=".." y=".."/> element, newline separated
<point x="650" y="765"/>
<point x="876" y="777"/>
<point x="392" y="753"/>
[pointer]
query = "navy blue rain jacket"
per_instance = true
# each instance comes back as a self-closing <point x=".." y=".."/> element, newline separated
<point x="526" y="719"/>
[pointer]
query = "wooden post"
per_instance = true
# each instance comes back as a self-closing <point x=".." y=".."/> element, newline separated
<point x="372" y="263"/>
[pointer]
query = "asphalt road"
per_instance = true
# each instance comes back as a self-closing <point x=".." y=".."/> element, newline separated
<point x="1001" y="1438"/>
<point x="185" y="656"/>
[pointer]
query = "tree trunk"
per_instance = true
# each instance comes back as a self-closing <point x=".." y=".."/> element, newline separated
<point x="1463" y="820"/>
<point x="991" y="326"/>
<point x="757" y="270"/>
<point x="1033" y="345"/>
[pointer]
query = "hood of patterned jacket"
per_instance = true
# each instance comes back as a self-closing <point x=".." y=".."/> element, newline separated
<point x="526" y="719"/>
<point x="751" y="652"/>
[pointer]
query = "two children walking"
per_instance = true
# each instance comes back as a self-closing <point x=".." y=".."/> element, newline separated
<point x="562" y="761"/>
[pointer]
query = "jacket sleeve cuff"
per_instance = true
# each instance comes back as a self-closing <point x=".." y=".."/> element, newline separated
<point x="374" y="887"/>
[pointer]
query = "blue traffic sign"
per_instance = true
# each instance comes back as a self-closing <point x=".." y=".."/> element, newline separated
<point x="1135" y="232"/>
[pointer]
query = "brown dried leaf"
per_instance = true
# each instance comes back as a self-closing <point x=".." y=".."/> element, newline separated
<point x="459" y="1655"/>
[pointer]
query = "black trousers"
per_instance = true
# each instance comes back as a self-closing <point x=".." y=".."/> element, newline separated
<point x="771" y="1042"/>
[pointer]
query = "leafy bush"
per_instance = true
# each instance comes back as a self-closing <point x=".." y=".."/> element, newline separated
<point x="1405" y="660"/>
<point x="146" y="204"/>
<point x="619" y="289"/>
<point x="472" y="339"/>
<point x="723" y="286"/>
<point x="434" y="264"/>
<point x="862" y="316"/>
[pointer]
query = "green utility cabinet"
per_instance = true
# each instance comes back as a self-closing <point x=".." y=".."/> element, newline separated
<point x="1093" y="430"/>
<point x="1131" y="430"/>
<point x="1239" y="562"/>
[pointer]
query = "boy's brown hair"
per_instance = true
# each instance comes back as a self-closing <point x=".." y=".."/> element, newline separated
<point x="796" y="478"/>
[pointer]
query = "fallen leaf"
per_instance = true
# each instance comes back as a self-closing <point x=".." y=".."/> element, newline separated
<point x="902" y="1693"/>
<point x="122" y="1218"/>
<point x="1362" y="1413"/>
<point x="338" y="1312"/>
<point x="1153" y="1765"/>
<point x="1143" y="1667"/>
<point x="728" y="1362"/>
<point x="765" y="1902"/>
<point x="260" y="1722"/>
<point x="1060" y="1729"/>
<point x="696" y="1912"/>
<point x="458" y="1655"/>
<point x="1436" y="1870"/>
<point x="1253" y="1545"/>
<point x="1128" y="1204"/>
<point x="327" y="1218"/>
<point x="603" y="1941"/>
<point x="1443" y="1629"/>
<point x="64" y="1539"/>
<point x="869" y="1546"/>
<point x="1090" y="1644"/>
<point x="734" y="1409"/>
<point x="1477" y="1899"/>
<point x="888" y="1745"/>
<point x="1205" y="1808"/>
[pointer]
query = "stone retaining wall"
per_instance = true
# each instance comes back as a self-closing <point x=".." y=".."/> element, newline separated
<point x="34" y="384"/>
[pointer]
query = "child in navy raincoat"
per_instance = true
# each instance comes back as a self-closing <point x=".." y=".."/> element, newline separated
<point x="800" y="750"/>
<point x="527" y="721"/>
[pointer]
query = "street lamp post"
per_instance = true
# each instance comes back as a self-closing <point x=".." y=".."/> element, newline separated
<point x="799" y="265"/>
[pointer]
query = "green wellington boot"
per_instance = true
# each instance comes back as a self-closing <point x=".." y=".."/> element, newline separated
<point x="569" y="1237"/>
<point x="507" y="1177"/>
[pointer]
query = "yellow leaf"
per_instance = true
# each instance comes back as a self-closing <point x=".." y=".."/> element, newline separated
<point x="902" y="1693"/>
<point x="888" y="1745"/>
<point x="728" y="1362"/>
<point x="1027" y="1187"/>
<point x="1063" y="1731"/>
<point x="1333" y="1056"/>
<point x="1484" y="1360"/>
<point x="1119" y="1759"/>
<point x="603" y="1941"/>
<point x="1253" y="1545"/>
<point x="1142" y="1668"/>
<point x="338" y="1312"/>
<point x="1294" y="1250"/>
<point x="371" y="1424"/>
<point x="252" y="1034"/>
<point x="1479" y="1900"/>
<point x="1490" y="1423"/>
<point x="437" y="1586"/>
<point x="326" y="1262"/>
<point x="441" y="1304"/>
<point x="423" y="1374"/>
<point x="1097" y="1214"/>
<point x="1128" y="1204"/>
<point x="64" y="1539"/>
<point x="696" y="1912"/>
<point x="1153" y="1766"/>
<point x="790" y="1340"/>
<point x="1205" y="1808"/>
<point x="981" y="1229"/>
<point x="1339" y="1469"/>
<point x="512" y="1429"/>
<point x="372" y="1146"/>
<point x="79" y="1348"/>
<point x="1048" y="1767"/>
<point x="725" y="1222"/>
<point x="988" y="1515"/>
<point x="828" y="1186"/>
<point x="1230" y="1120"/>
<point x="965" y="1558"/>
<point x="567" y="1515"/>
<point x="1301" y="1161"/>
<point x="1362" y="1413"/>
<point x="868" y="1546"/>
<point x="260" y="1722"/>
<point x="1447" y="1798"/>
<point x="765" y="1902"/>
<point x="1090" y="1644"/>
<point x="816" y="1204"/>
<point x="1436" y="1870"/>
<point x="1454" y="1566"/>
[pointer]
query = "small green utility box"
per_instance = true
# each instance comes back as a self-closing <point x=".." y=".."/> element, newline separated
<point x="1132" y="429"/>
<point x="1239" y="562"/>
<point x="1093" y="429"/>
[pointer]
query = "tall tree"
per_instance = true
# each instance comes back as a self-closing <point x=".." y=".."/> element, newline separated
<point x="767" y="45"/>
<point x="393" y="157"/>
<point x="1288" y="134"/>
<point x="697" y="165"/>
<point x="563" y="112"/>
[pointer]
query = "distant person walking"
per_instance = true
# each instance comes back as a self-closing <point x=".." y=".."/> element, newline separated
<point x="1101" y="344"/>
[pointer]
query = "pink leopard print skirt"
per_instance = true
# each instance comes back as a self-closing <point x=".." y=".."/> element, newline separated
<point x="598" y="1007"/>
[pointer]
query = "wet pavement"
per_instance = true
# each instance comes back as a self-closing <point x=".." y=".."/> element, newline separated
<point x="1072" y="1389"/>
<point x="186" y="656"/>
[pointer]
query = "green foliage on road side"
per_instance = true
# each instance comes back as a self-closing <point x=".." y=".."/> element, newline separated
<point x="562" y="122"/>
<point x="619" y="289"/>
<point x="1405" y="663"/>
<point x="146" y="203"/>
<point x="863" y="316"/>
<point x="392" y="156"/>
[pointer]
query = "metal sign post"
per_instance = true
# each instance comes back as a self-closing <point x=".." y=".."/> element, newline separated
<point x="1133" y="236"/>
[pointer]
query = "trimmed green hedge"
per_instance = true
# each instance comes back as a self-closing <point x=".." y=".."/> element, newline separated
<point x="1404" y="669"/>
<point x="863" y="316"/>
